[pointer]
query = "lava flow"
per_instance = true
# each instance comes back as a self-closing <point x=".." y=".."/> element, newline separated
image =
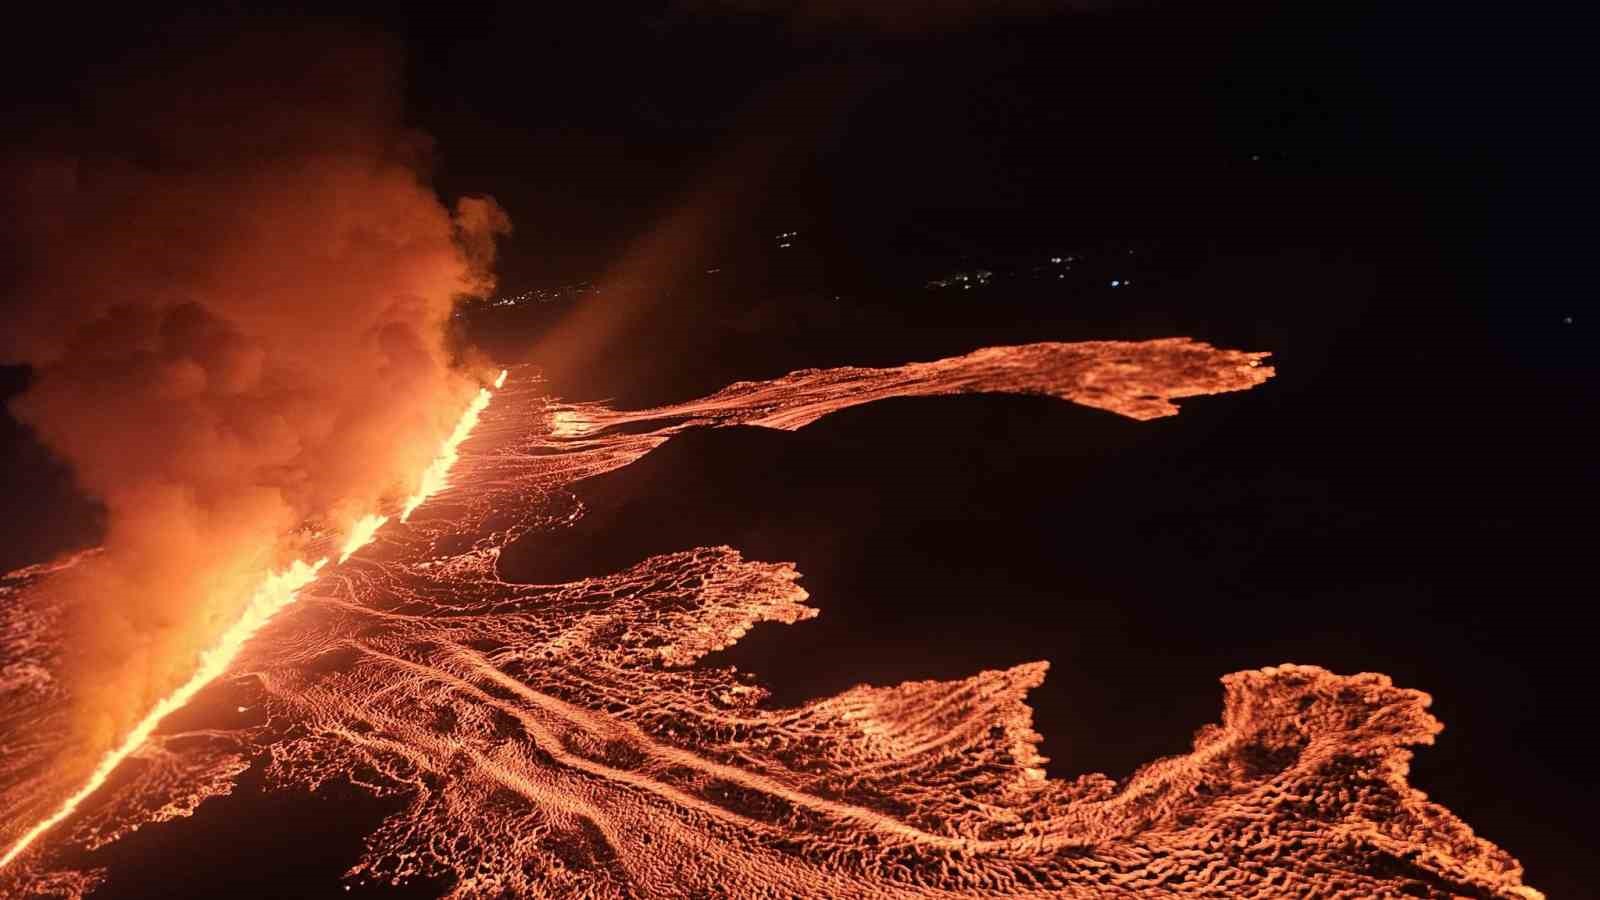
<point x="565" y="740"/>
<point x="276" y="592"/>
<point x="437" y="476"/>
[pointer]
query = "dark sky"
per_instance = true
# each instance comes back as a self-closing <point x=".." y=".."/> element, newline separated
<point x="1106" y="120"/>
<point x="1394" y="198"/>
<point x="1113" y="122"/>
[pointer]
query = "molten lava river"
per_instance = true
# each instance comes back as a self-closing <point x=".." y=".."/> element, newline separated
<point x="559" y="740"/>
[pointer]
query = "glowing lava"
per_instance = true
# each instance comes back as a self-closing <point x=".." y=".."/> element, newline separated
<point x="572" y="740"/>
<point x="437" y="476"/>
<point x="276" y="592"/>
<point x="361" y="534"/>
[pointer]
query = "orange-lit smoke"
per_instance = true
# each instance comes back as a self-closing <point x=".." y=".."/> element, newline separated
<point x="235" y="298"/>
<point x="276" y="591"/>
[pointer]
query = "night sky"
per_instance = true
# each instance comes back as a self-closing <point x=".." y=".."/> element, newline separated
<point x="1394" y="199"/>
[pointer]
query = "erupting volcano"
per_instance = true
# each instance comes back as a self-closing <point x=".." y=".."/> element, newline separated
<point x="276" y="592"/>
<point x="982" y="450"/>
<point x="559" y="739"/>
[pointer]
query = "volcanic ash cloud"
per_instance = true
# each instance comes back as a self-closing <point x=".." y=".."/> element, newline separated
<point x="234" y="291"/>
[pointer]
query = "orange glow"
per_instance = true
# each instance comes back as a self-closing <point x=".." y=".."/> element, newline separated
<point x="584" y="712"/>
<point x="361" y="534"/>
<point x="501" y="381"/>
<point x="437" y="476"/>
<point x="276" y="592"/>
<point x="577" y="739"/>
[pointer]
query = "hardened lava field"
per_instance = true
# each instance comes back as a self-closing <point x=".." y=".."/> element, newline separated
<point x="559" y="740"/>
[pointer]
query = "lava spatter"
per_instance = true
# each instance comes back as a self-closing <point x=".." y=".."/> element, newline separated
<point x="560" y="740"/>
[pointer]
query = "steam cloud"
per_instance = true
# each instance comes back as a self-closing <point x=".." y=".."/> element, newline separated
<point x="234" y="292"/>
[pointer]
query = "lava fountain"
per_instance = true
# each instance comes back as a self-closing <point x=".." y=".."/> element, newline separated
<point x="276" y="592"/>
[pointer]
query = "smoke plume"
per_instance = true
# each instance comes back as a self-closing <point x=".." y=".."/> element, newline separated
<point x="233" y="285"/>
